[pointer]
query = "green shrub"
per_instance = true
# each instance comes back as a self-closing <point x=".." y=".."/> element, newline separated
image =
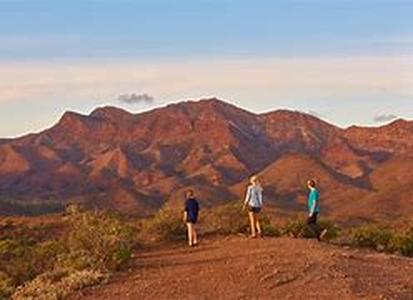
<point x="294" y="227"/>
<point x="383" y="239"/>
<point x="6" y="285"/>
<point x="90" y="242"/>
<point x="23" y="260"/>
<point x="107" y="240"/>
<point x="166" y="225"/>
<point x="269" y="229"/>
<point x="227" y="219"/>
<point x="231" y="219"/>
<point x="372" y="236"/>
<point x="298" y="228"/>
<point x="58" y="284"/>
<point x="76" y="260"/>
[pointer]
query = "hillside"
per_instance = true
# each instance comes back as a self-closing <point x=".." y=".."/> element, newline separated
<point x="280" y="268"/>
<point x="136" y="162"/>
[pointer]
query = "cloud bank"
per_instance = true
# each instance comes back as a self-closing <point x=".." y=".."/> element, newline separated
<point x="136" y="99"/>
<point x="380" y="118"/>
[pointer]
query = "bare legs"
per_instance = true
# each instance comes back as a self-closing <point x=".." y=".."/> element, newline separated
<point x="254" y="223"/>
<point x="192" y="235"/>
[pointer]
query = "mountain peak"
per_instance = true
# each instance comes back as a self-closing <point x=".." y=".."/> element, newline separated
<point x="106" y="112"/>
<point x="400" y="123"/>
<point x="70" y="117"/>
<point x="113" y="114"/>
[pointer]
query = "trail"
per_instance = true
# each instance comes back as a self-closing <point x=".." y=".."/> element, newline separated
<point x="271" y="268"/>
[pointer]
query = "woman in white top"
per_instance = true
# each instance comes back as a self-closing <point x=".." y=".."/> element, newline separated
<point x="253" y="200"/>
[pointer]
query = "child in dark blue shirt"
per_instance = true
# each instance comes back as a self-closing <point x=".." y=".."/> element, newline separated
<point x="191" y="217"/>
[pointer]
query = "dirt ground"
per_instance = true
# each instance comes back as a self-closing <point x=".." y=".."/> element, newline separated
<point x="271" y="268"/>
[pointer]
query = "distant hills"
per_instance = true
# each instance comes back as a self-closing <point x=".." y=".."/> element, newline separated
<point x="136" y="162"/>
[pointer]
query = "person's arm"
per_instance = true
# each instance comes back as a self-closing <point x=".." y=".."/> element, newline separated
<point x="185" y="213"/>
<point x="247" y="197"/>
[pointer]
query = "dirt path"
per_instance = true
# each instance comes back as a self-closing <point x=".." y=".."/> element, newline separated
<point x="276" y="268"/>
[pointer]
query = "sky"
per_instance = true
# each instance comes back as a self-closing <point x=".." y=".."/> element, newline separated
<point x="345" y="61"/>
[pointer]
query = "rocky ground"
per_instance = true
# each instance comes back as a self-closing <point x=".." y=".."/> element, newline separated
<point x="271" y="268"/>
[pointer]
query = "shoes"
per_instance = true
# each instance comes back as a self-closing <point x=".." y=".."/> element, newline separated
<point x="322" y="234"/>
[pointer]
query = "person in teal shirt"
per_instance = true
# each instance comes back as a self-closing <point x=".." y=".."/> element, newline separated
<point x="314" y="210"/>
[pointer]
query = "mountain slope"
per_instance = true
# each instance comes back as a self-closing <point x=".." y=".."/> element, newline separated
<point x="152" y="157"/>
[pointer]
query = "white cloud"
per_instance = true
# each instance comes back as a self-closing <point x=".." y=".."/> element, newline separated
<point x="381" y="118"/>
<point x="134" y="98"/>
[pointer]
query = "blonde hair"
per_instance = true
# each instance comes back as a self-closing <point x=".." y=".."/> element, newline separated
<point x="254" y="180"/>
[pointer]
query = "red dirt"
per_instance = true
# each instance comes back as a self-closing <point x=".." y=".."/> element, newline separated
<point x="273" y="268"/>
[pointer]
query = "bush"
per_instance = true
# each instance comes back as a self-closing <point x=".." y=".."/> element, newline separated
<point x="166" y="225"/>
<point x="58" y="284"/>
<point x="372" y="236"/>
<point x="269" y="229"/>
<point x="383" y="239"/>
<point x="231" y="219"/>
<point x="23" y="260"/>
<point x="107" y="241"/>
<point x="90" y="243"/>
<point x="227" y="219"/>
<point x="298" y="228"/>
<point x="6" y="285"/>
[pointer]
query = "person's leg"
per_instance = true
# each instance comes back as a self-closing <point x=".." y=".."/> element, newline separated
<point x="194" y="235"/>
<point x="252" y="223"/>
<point x="312" y="224"/>
<point x="190" y="231"/>
<point x="257" y="223"/>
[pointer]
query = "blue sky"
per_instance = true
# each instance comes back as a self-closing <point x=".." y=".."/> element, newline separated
<point x="346" y="61"/>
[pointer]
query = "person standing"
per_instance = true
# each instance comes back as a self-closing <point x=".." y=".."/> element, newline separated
<point x="314" y="210"/>
<point x="191" y="212"/>
<point x="253" y="200"/>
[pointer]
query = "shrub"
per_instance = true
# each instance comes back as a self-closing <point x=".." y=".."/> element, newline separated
<point x="227" y="219"/>
<point x="58" y="284"/>
<point x="166" y="225"/>
<point x="383" y="239"/>
<point x="104" y="238"/>
<point x="231" y="219"/>
<point x="269" y="229"/>
<point x="372" y="236"/>
<point x="298" y="228"/>
<point x="90" y="243"/>
<point x="6" y="285"/>
<point x="294" y="227"/>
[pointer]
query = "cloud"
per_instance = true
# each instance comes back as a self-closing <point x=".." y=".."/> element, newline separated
<point x="380" y="118"/>
<point x="134" y="98"/>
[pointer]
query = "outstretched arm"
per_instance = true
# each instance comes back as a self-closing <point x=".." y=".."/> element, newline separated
<point x="247" y="198"/>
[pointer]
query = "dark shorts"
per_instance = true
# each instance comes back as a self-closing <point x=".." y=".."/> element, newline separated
<point x="312" y="219"/>
<point x="254" y="209"/>
<point x="191" y="220"/>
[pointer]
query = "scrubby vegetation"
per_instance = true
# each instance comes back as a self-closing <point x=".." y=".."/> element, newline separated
<point x="35" y="266"/>
<point x="49" y="261"/>
<point x="383" y="239"/>
<point x="231" y="219"/>
<point x="166" y="225"/>
<point x="298" y="228"/>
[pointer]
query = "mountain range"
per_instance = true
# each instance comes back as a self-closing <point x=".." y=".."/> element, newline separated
<point x="135" y="163"/>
